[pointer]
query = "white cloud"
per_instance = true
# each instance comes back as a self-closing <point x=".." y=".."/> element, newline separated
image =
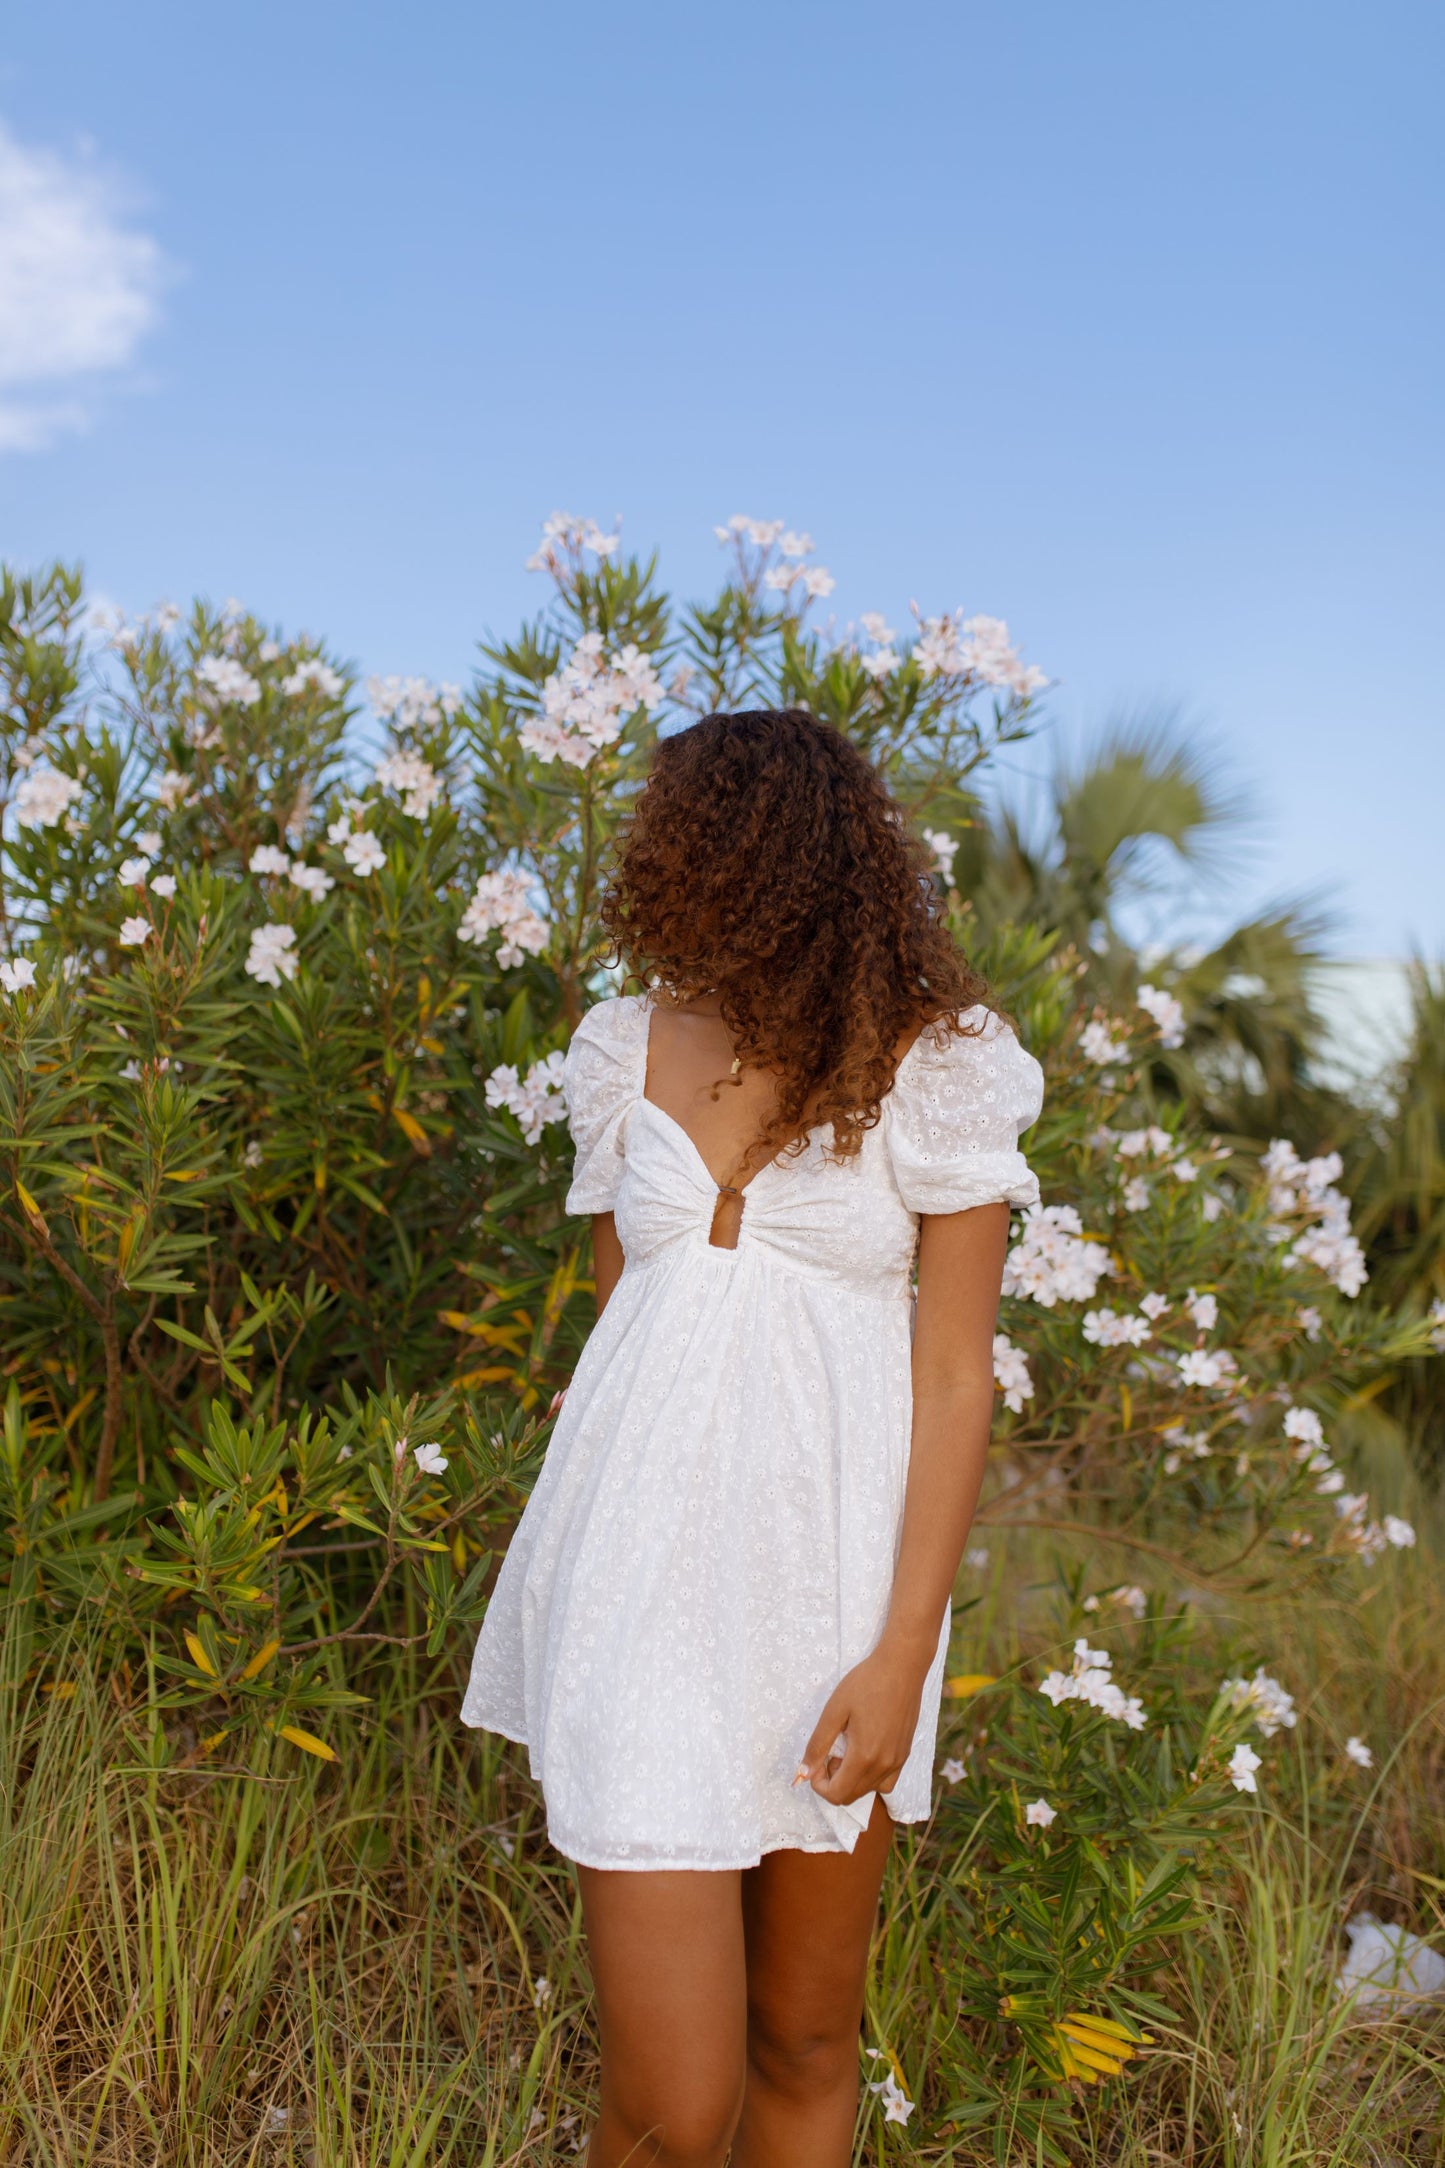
<point x="78" y="290"/>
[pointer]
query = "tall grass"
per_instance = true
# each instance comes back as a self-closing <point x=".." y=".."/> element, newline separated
<point x="344" y="1966"/>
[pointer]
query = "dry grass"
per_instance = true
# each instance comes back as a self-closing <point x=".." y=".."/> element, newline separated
<point x="202" y="1967"/>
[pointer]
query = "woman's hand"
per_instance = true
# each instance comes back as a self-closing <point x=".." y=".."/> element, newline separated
<point x="875" y="1708"/>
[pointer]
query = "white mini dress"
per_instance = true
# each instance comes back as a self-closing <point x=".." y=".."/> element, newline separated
<point x="710" y="1545"/>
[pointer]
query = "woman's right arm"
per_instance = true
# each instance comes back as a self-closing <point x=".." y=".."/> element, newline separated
<point x="607" y="1258"/>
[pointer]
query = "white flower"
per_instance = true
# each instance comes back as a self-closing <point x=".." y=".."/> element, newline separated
<point x="896" y="2105"/>
<point x="273" y="954"/>
<point x="1203" y="1309"/>
<point x="226" y="680"/>
<point x="1211" y="1204"/>
<point x="1098" y="1044"/>
<point x="132" y="872"/>
<point x="314" y="676"/>
<point x="1311" y="1324"/>
<point x="1166" y="1012"/>
<point x="877" y="627"/>
<point x="44" y="797"/>
<point x="363" y="853"/>
<point x="502" y="903"/>
<point x="172" y="789"/>
<point x="1184" y="1170"/>
<point x="975" y="647"/>
<point x="1185" y="1444"/>
<point x="796" y="545"/>
<point x="1211" y="1367"/>
<point x="430" y="1458"/>
<point x="148" y="843"/>
<point x="1151" y="1143"/>
<point x="1133" y="1600"/>
<point x="134" y="931"/>
<point x="1271" y="1707"/>
<point x="252" y="1156"/>
<point x="1399" y="1534"/>
<point x="1242" y="1764"/>
<point x="1051" y="1262"/>
<point x="1136" y="1194"/>
<point x="267" y="859"/>
<point x="1089" y="1680"/>
<point x="1103" y="1329"/>
<point x="1038" y="1814"/>
<point x="817" y="582"/>
<point x="565" y="530"/>
<point x="535" y="1099"/>
<point x="541" y="1992"/>
<point x="164" y="886"/>
<point x="415" y="781"/>
<point x="587" y="700"/>
<point x="976" y="1557"/>
<point x="880" y="664"/>
<point x="16" y="973"/>
<point x="1154" y="1305"/>
<point x="1305" y="1188"/>
<point x="1357" y="1752"/>
<point x="411" y="702"/>
<point x="954" y="1771"/>
<point x="1011" y="1374"/>
<point x="945" y="849"/>
<point x="1304" y="1424"/>
<point x="313" y="881"/>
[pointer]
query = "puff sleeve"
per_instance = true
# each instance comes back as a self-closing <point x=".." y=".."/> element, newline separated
<point x="956" y="1110"/>
<point x="602" y="1076"/>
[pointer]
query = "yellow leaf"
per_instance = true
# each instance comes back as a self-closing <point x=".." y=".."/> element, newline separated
<point x="63" y="1689"/>
<point x="193" y="1175"/>
<point x="411" y="1127"/>
<point x="433" y="1046"/>
<point x="199" y="1657"/>
<point x="1108" y="2026"/>
<point x="1086" y="2059"/>
<point x="208" y="1745"/>
<point x="260" y="1660"/>
<point x="308" y="1742"/>
<point x="459" y="1552"/>
<point x="969" y="1682"/>
<point x="30" y="1208"/>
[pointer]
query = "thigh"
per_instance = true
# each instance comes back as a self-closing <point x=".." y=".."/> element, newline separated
<point x="668" y="1969"/>
<point x="808" y="1920"/>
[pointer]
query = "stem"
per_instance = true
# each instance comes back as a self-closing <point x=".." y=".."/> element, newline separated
<point x="104" y="1315"/>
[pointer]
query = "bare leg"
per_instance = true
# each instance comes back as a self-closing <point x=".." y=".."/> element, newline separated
<point x="668" y="1965"/>
<point x="808" y="1919"/>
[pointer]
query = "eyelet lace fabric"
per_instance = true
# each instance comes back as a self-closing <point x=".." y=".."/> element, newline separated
<point x="711" y="1543"/>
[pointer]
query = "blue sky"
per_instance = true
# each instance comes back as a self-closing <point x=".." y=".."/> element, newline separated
<point x="1121" y="322"/>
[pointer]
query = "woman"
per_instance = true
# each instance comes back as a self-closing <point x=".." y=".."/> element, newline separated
<point x="721" y="1626"/>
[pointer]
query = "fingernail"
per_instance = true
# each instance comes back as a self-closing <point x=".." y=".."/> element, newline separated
<point x="804" y="1773"/>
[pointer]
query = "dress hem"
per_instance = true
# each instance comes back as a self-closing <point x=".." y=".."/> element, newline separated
<point x="673" y="1865"/>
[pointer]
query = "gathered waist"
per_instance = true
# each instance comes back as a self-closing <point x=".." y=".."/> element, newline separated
<point x="756" y="1255"/>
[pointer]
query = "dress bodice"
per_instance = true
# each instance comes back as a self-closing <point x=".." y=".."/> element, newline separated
<point x="947" y="1139"/>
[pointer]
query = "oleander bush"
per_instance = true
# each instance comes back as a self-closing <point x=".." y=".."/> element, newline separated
<point x="287" y="1290"/>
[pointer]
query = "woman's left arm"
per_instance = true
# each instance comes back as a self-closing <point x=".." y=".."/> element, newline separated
<point x="960" y="1271"/>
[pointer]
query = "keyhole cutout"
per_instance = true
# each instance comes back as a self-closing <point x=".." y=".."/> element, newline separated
<point x="727" y="1220"/>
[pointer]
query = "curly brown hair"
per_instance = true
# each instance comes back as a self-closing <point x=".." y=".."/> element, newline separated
<point x="765" y="862"/>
